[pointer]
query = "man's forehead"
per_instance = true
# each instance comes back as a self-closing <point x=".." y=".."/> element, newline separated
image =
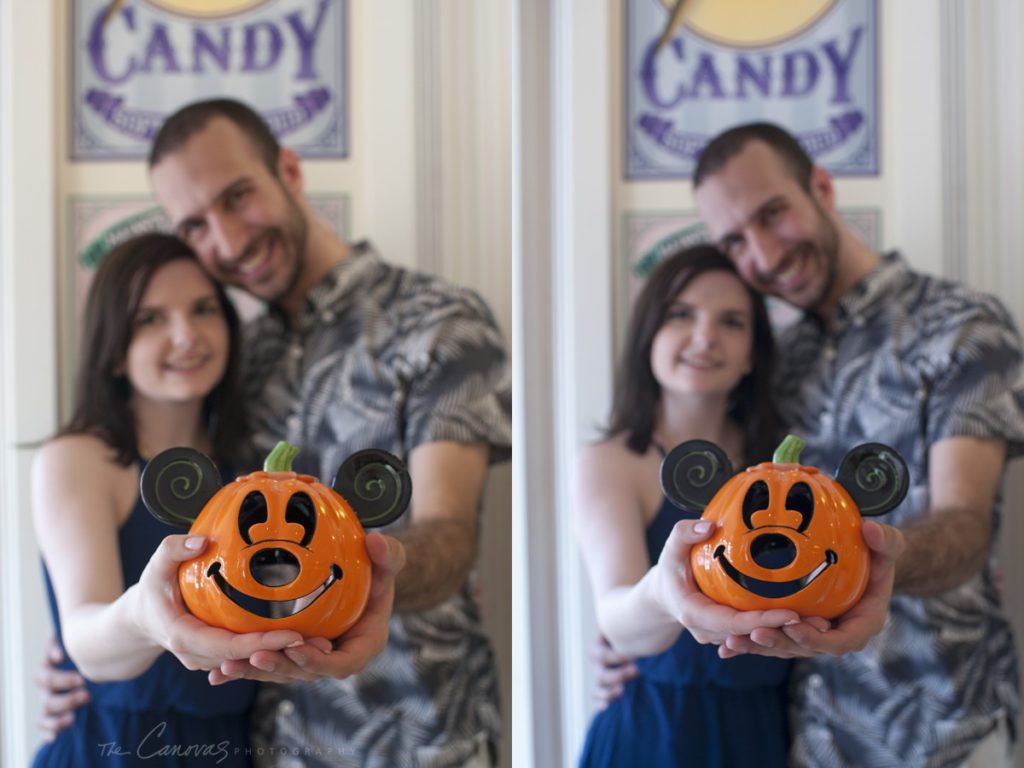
<point x="743" y="183"/>
<point x="192" y="175"/>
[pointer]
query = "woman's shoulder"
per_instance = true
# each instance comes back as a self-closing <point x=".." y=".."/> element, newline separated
<point x="84" y="455"/>
<point x="612" y="458"/>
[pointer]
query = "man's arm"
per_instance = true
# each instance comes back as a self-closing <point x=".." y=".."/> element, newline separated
<point x="441" y="538"/>
<point x="951" y="542"/>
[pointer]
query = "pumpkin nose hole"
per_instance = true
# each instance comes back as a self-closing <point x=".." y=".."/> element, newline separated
<point x="274" y="567"/>
<point x="772" y="550"/>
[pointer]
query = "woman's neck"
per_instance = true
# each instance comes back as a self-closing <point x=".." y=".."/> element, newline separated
<point x="682" y="418"/>
<point x="159" y="426"/>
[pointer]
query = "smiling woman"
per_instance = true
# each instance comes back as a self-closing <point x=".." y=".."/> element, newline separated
<point x="156" y="369"/>
<point x="697" y="363"/>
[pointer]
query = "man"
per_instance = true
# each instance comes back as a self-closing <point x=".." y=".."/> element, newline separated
<point x="355" y="353"/>
<point x="933" y="369"/>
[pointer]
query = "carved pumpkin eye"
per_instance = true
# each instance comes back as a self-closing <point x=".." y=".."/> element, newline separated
<point x="756" y="500"/>
<point x="801" y="499"/>
<point x="253" y="511"/>
<point x="302" y="511"/>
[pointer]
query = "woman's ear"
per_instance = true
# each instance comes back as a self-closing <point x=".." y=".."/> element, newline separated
<point x="376" y="484"/>
<point x="692" y="473"/>
<point x="177" y="483"/>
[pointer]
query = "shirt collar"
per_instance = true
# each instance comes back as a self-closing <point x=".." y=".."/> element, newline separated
<point x="867" y="296"/>
<point x="327" y="298"/>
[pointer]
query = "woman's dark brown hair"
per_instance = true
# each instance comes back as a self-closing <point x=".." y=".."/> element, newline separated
<point x="102" y="397"/>
<point x="637" y="393"/>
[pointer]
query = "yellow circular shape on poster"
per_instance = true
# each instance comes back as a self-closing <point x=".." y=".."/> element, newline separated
<point x="207" y="8"/>
<point x="751" y="23"/>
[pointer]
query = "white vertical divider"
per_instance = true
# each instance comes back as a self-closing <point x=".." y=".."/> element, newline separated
<point x="536" y="701"/>
<point x="583" y="314"/>
<point x="28" y="396"/>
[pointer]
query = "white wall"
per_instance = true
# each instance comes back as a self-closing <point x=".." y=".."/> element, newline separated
<point x="429" y="179"/>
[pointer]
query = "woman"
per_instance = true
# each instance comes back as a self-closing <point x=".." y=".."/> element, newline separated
<point x="157" y="369"/>
<point x="697" y="364"/>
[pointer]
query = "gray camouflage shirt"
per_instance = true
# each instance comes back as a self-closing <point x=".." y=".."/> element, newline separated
<point x="388" y="358"/>
<point x="912" y="360"/>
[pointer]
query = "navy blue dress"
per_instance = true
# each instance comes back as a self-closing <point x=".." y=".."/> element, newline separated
<point x="167" y="716"/>
<point x="690" y="708"/>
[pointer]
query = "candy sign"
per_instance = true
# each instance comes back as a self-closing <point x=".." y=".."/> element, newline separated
<point x="809" y="65"/>
<point x="131" y="68"/>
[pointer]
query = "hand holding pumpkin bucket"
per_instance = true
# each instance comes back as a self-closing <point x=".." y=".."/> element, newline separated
<point x="285" y="551"/>
<point x="787" y="536"/>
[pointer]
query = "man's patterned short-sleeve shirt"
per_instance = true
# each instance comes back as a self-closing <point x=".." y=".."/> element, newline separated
<point x="387" y="358"/>
<point x="911" y="360"/>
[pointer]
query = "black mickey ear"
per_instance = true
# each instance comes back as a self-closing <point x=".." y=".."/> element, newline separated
<point x="692" y="473"/>
<point x="875" y="476"/>
<point x="376" y="485"/>
<point x="176" y="485"/>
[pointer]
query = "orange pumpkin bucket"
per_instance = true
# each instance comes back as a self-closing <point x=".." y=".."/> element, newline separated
<point x="284" y="551"/>
<point x="786" y="535"/>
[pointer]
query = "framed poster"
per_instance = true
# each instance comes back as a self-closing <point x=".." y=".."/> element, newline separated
<point x="133" y="62"/>
<point x="809" y="65"/>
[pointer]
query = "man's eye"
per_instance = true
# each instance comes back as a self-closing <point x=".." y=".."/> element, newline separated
<point x="236" y="196"/>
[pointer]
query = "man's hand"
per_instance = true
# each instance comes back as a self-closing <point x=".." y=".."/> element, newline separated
<point x="614" y="670"/>
<point x="852" y="631"/>
<point x="161" y="615"/>
<point x="349" y="654"/>
<point x="63" y="692"/>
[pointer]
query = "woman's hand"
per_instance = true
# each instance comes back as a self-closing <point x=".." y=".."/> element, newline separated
<point x="677" y="593"/>
<point x="160" y="614"/>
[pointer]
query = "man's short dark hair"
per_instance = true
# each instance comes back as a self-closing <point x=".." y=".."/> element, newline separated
<point x="730" y="143"/>
<point x="192" y="118"/>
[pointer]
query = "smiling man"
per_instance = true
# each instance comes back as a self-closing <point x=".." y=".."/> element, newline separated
<point x="884" y="353"/>
<point x="356" y="353"/>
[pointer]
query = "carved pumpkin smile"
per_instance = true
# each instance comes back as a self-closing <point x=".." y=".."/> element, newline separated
<point x="773" y="589"/>
<point x="271" y="609"/>
<point x="786" y="535"/>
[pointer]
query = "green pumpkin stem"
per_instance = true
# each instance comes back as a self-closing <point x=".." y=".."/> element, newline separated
<point x="789" y="450"/>
<point x="281" y="458"/>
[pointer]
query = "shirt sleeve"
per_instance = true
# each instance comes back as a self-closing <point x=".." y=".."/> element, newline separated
<point x="461" y="390"/>
<point x="978" y="390"/>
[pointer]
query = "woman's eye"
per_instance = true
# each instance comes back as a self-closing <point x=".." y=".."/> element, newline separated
<point x="208" y="308"/>
<point x="146" y="318"/>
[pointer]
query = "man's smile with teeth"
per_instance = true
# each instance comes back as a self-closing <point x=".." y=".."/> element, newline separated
<point x="253" y="262"/>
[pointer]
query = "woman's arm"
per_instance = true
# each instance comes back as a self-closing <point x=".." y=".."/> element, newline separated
<point x="610" y="523"/>
<point x="641" y="609"/>
<point x="112" y="633"/>
<point x="75" y="489"/>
